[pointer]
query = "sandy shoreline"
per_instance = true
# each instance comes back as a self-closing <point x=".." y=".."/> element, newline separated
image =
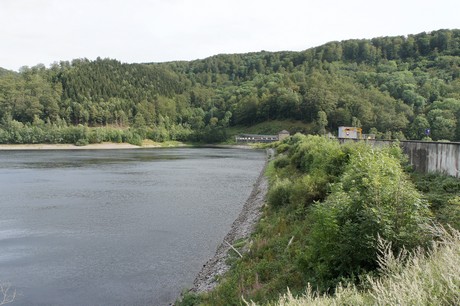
<point x="96" y="146"/>
<point x="102" y="146"/>
<point x="241" y="228"/>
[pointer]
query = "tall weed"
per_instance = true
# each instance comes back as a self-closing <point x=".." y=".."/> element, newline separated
<point x="408" y="278"/>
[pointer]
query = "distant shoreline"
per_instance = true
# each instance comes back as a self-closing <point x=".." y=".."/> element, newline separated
<point x="103" y="146"/>
<point x="96" y="146"/>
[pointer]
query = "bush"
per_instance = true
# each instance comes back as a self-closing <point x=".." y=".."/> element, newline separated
<point x="320" y="158"/>
<point x="279" y="193"/>
<point x="281" y="161"/>
<point x="96" y="136"/>
<point x="158" y="134"/>
<point x="188" y="299"/>
<point x="282" y="148"/>
<point x="82" y="142"/>
<point x="372" y="198"/>
<point x="134" y="139"/>
<point x="308" y="189"/>
<point x="442" y="192"/>
<point x="449" y="214"/>
<point x="318" y="154"/>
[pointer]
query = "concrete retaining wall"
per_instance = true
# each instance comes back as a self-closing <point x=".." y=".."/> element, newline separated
<point x="434" y="156"/>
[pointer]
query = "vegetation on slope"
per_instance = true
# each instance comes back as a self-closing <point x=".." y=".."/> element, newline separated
<point x="328" y="207"/>
<point x="395" y="87"/>
<point x="443" y="194"/>
<point x="416" y="278"/>
<point x="5" y="72"/>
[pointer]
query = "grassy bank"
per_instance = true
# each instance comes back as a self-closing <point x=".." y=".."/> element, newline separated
<point x="417" y="278"/>
<point x="327" y="209"/>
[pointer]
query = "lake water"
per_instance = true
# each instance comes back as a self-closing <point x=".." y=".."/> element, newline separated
<point x="116" y="227"/>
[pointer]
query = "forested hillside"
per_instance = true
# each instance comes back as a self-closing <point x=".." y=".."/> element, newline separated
<point x="4" y="71"/>
<point x="395" y="87"/>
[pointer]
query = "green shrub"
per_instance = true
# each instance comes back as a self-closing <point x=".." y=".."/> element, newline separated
<point x="296" y="138"/>
<point x="282" y="148"/>
<point x="135" y="139"/>
<point x="373" y="198"/>
<point x="115" y="135"/>
<point x="279" y="193"/>
<point x="159" y="134"/>
<point x="82" y="142"/>
<point x="188" y="299"/>
<point x="451" y="185"/>
<point x="449" y="214"/>
<point x="97" y="135"/>
<point x="308" y="189"/>
<point x="318" y="154"/>
<point x="281" y="161"/>
<point x="442" y="192"/>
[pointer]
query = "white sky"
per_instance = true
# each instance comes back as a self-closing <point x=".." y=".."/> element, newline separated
<point x="135" y="31"/>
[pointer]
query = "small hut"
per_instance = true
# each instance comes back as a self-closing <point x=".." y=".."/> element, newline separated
<point x="283" y="134"/>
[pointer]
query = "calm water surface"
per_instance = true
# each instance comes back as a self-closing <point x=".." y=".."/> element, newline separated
<point x="116" y="227"/>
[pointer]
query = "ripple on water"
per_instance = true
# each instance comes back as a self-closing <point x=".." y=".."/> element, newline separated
<point x="116" y="227"/>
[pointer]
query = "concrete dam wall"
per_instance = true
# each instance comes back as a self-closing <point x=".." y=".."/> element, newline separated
<point x="433" y="156"/>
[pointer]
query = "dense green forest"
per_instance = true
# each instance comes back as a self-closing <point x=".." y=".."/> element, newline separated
<point x="394" y="87"/>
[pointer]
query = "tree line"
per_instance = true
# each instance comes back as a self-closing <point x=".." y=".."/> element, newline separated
<point x="395" y="87"/>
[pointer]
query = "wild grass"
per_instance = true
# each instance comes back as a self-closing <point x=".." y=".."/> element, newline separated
<point x="326" y="207"/>
<point x="408" y="278"/>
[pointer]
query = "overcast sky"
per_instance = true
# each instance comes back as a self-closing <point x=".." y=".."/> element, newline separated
<point x="135" y="31"/>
